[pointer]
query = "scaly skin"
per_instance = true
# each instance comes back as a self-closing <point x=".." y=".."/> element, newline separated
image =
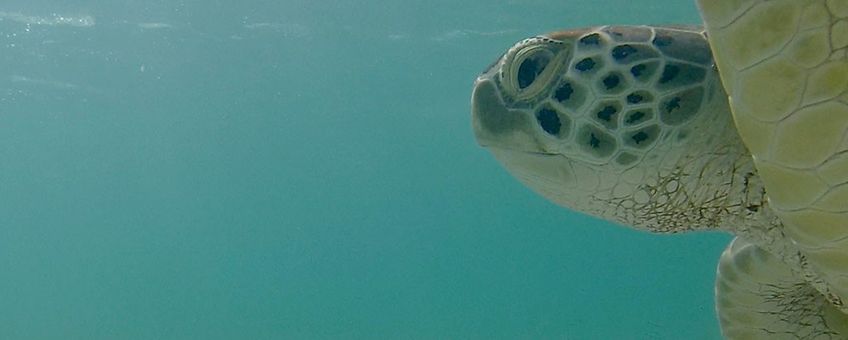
<point x="690" y="173"/>
<point x="631" y="124"/>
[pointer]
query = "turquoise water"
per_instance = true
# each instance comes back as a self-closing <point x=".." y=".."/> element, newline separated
<point x="302" y="170"/>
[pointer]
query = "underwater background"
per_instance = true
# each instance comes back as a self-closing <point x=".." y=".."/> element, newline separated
<point x="303" y="170"/>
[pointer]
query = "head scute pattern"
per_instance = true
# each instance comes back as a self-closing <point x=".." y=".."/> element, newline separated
<point x="738" y="126"/>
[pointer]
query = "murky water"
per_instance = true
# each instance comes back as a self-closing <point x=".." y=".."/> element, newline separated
<point x="302" y="170"/>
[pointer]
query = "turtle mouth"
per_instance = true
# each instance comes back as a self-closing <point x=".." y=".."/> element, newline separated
<point x="544" y="154"/>
<point x="526" y="152"/>
<point x="496" y="147"/>
<point x="546" y="173"/>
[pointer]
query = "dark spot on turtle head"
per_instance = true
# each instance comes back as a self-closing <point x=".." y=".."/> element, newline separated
<point x="594" y="142"/>
<point x="564" y="92"/>
<point x="607" y="112"/>
<point x="669" y="72"/>
<point x="644" y="137"/>
<point x="672" y="104"/>
<point x="634" y="98"/>
<point x="549" y="120"/>
<point x="591" y="39"/>
<point x="611" y="81"/>
<point x="678" y="75"/>
<point x="662" y="40"/>
<point x="635" y="117"/>
<point x="622" y="51"/>
<point x="585" y="65"/>
<point x="570" y="94"/>
<point x="639" y="137"/>
<point x="637" y="70"/>
<point x="680" y="107"/>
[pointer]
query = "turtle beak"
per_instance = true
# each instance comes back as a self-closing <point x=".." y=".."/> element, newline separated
<point x="486" y="106"/>
<point x="486" y="102"/>
<point x="495" y="124"/>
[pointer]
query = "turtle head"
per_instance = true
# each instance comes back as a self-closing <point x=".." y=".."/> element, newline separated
<point x="511" y="87"/>
<point x="569" y="113"/>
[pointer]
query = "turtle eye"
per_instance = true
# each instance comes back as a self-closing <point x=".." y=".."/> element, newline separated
<point x="531" y="67"/>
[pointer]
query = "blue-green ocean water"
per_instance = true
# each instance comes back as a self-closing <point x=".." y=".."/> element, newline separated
<point x="301" y="169"/>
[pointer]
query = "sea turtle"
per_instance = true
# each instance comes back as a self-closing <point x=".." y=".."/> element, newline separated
<point x="741" y="126"/>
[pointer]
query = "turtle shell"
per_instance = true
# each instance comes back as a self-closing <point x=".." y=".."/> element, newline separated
<point x="783" y="64"/>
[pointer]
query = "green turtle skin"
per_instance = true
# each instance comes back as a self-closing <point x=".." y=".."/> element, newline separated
<point x="632" y="124"/>
<point x="629" y="124"/>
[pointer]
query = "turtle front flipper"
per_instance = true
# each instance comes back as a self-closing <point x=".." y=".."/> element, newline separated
<point x="758" y="297"/>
